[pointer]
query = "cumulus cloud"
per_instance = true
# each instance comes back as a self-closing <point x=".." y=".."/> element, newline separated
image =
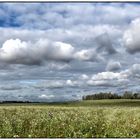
<point x="113" y="66"/>
<point x="131" y="37"/>
<point x="21" y="52"/>
<point x="108" y="79"/>
<point x="15" y="51"/>
<point x="115" y="78"/>
<point x="109" y="76"/>
<point x="60" y="51"/>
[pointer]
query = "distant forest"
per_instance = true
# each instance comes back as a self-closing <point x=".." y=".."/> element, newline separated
<point x="1" y="102"/>
<point x="101" y="95"/>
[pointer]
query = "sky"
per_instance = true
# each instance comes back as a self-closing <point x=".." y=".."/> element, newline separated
<point x="62" y="51"/>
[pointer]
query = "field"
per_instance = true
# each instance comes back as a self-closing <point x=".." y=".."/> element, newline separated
<point x="83" y="119"/>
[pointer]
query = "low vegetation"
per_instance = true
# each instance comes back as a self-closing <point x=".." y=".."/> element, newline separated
<point x="83" y="119"/>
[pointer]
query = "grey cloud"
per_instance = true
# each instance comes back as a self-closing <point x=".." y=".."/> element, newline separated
<point x="135" y="71"/>
<point x="113" y="66"/>
<point x="58" y="65"/>
<point x="10" y="87"/>
<point x="104" y="42"/>
<point x="104" y="83"/>
<point x="57" y="84"/>
<point x="50" y="84"/>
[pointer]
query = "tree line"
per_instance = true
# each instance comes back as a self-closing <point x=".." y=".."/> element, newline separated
<point x="101" y="95"/>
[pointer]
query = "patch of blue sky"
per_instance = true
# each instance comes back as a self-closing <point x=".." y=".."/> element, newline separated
<point x="29" y="82"/>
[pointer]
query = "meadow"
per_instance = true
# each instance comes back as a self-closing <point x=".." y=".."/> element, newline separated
<point x="82" y="119"/>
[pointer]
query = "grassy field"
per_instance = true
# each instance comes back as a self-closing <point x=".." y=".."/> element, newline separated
<point x="84" y="119"/>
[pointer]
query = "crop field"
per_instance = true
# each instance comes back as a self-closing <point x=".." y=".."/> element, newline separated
<point x="83" y="119"/>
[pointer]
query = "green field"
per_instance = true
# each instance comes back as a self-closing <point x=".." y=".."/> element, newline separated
<point x="83" y="119"/>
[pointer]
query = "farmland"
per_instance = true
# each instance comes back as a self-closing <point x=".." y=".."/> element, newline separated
<point x="84" y="119"/>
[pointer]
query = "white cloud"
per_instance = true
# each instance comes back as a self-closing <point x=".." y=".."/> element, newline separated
<point x="44" y="96"/>
<point x="99" y="83"/>
<point x="87" y="55"/>
<point x="17" y="51"/>
<point x="55" y="50"/>
<point x="115" y="78"/>
<point x="84" y="77"/>
<point x="131" y="37"/>
<point x="71" y="83"/>
<point x="109" y="76"/>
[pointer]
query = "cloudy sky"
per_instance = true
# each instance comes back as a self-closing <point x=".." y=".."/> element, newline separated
<point x="62" y="51"/>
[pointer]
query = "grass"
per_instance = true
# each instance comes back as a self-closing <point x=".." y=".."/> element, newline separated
<point x="83" y="119"/>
